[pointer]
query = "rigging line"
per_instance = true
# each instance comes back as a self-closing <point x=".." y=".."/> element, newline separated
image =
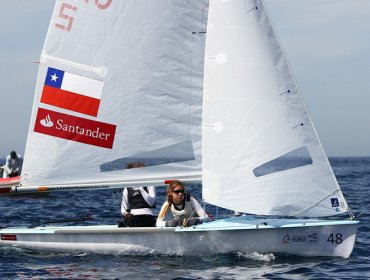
<point x="194" y="210"/>
<point x="43" y="223"/>
<point x="204" y="208"/>
<point x="350" y="213"/>
<point x="296" y="88"/>
<point x="190" y="92"/>
<point x="193" y="44"/>
<point x="318" y="202"/>
<point x="362" y="212"/>
<point x="352" y="216"/>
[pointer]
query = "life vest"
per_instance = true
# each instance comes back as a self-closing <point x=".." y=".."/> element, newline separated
<point x="136" y="200"/>
<point x="183" y="210"/>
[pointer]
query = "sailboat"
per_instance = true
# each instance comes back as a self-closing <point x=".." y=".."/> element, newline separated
<point x="201" y="91"/>
<point x="6" y="184"/>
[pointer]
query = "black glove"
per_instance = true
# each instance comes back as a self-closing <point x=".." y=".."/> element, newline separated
<point x="172" y="223"/>
<point x="191" y="222"/>
<point x="127" y="216"/>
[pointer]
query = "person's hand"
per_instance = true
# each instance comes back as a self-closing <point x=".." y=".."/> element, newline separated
<point x="127" y="216"/>
<point x="172" y="223"/>
<point x="191" y="222"/>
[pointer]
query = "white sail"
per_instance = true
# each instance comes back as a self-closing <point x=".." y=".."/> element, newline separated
<point x="254" y="115"/>
<point x="136" y="68"/>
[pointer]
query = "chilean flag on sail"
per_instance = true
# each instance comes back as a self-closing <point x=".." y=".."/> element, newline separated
<point x="72" y="92"/>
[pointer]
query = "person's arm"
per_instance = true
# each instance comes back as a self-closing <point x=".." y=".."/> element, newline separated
<point x="199" y="210"/>
<point x="7" y="165"/>
<point x="149" y="196"/>
<point x="162" y="214"/>
<point x="19" y="164"/>
<point x="124" y="203"/>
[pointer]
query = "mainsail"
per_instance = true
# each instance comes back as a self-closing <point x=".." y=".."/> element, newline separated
<point x="254" y="115"/>
<point x="118" y="82"/>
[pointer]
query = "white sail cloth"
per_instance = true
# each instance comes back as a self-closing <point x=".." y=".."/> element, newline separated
<point x="148" y="58"/>
<point x="253" y="114"/>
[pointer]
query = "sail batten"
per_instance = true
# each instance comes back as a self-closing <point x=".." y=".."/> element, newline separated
<point x="100" y="70"/>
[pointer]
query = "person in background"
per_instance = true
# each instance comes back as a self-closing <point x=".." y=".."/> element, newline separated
<point x="13" y="165"/>
<point x="186" y="210"/>
<point x="137" y="204"/>
<point x="2" y="166"/>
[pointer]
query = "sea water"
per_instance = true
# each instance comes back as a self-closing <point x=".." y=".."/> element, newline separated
<point x="103" y="206"/>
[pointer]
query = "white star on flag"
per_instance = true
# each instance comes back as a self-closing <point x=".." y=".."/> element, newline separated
<point x="54" y="77"/>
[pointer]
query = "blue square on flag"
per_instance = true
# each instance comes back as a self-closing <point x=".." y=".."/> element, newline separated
<point x="54" y="77"/>
<point x="334" y="202"/>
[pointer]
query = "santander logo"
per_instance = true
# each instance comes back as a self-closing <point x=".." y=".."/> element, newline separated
<point x="75" y="128"/>
<point x="47" y="122"/>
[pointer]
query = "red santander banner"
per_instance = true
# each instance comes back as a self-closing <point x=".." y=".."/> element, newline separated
<point x="75" y="128"/>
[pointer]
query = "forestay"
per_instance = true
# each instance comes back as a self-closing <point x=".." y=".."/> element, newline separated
<point x="118" y="82"/>
<point x="253" y="116"/>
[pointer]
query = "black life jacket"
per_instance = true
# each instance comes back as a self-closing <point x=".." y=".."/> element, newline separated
<point x="136" y="200"/>
<point x="182" y="205"/>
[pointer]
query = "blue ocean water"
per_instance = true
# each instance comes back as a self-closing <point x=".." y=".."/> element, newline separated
<point x="103" y="206"/>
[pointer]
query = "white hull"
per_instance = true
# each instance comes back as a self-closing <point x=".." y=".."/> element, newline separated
<point x="293" y="237"/>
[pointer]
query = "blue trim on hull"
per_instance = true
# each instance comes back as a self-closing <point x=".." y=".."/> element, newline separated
<point x="246" y="222"/>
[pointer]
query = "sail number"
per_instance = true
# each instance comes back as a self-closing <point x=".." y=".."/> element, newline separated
<point x="101" y="4"/>
<point x="67" y="11"/>
<point x="335" y="238"/>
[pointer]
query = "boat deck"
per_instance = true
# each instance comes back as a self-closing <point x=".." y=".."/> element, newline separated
<point x="235" y="223"/>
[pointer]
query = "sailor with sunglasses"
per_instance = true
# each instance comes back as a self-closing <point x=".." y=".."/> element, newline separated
<point x="186" y="210"/>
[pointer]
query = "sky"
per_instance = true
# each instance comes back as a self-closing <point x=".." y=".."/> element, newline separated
<point x="327" y="43"/>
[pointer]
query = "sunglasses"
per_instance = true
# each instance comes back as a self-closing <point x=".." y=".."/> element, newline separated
<point x="178" y="191"/>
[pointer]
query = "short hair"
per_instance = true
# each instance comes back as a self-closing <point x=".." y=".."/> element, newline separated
<point x="13" y="154"/>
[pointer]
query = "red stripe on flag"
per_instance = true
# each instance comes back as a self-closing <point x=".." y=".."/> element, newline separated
<point x="70" y="101"/>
